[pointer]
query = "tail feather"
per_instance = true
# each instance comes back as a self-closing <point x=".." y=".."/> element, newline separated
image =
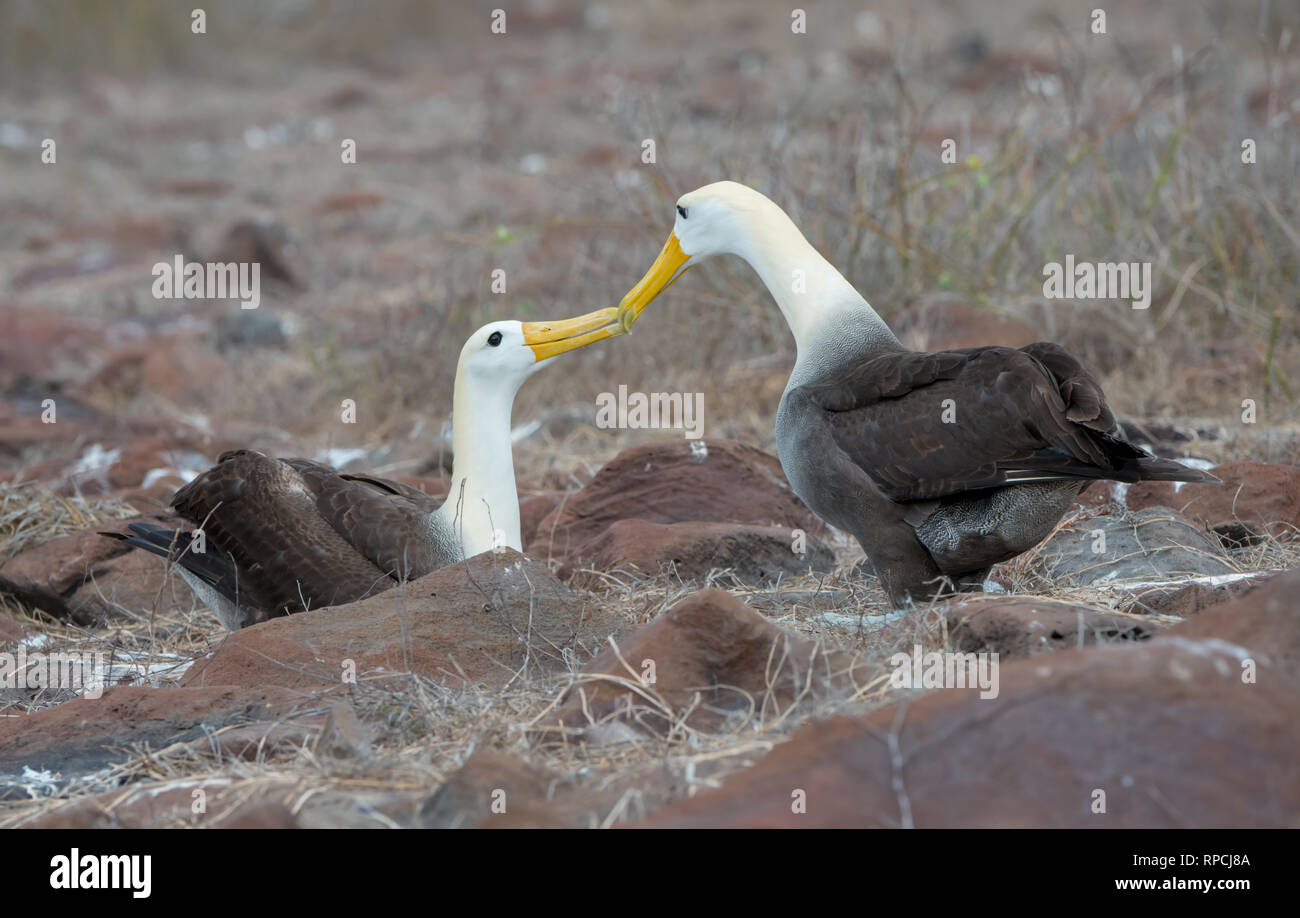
<point x="1051" y="465"/>
<point x="212" y="565"/>
<point x="153" y="539"/>
<point x="211" y="573"/>
<point x="1155" y="469"/>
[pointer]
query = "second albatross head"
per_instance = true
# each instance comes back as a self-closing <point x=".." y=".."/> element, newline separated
<point x="725" y="218"/>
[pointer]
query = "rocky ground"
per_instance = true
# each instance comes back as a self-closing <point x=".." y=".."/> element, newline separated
<point x="661" y="657"/>
<point x="658" y="655"/>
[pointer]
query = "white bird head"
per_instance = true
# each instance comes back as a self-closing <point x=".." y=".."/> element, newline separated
<point x="495" y="361"/>
<point x="504" y="354"/>
<point x="725" y="218"/>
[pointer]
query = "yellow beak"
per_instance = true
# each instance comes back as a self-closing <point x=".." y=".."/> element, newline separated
<point x="662" y="274"/>
<point x="550" y="338"/>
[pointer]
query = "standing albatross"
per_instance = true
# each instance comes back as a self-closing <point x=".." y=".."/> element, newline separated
<point x="940" y="464"/>
<point x="284" y="535"/>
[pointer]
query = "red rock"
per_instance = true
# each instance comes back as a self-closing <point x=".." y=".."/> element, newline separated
<point x="258" y="814"/>
<point x="494" y="790"/>
<point x="1184" y="599"/>
<point x="755" y="554"/>
<point x="601" y="156"/>
<point x="533" y="508"/>
<point x="12" y="631"/>
<point x="62" y="269"/>
<point x="343" y="734"/>
<point x="153" y="233"/>
<point x="264" y="242"/>
<point x="194" y="188"/>
<point x="171" y="368"/>
<point x="129" y="586"/>
<point x="1257" y="494"/>
<point x="348" y="96"/>
<point x="547" y="18"/>
<point x="40" y="344"/>
<point x="1265" y="620"/>
<point x="20" y="432"/>
<point x="674" y="481"/>
<point x="86" y="734"/>
<point x="1163" y="731"/>
<point x="1023" y="627"/>
<point x="80" y="428"/>
<point x="88" y="579"/>
<point x="712" y="656"/>
<point x="350" y="202"/>
<point x="1167" y="728"/>
<point x="484" y="621"/>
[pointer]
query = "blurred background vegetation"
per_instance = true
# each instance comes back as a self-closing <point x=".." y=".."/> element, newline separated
<point x="522" y="151"/>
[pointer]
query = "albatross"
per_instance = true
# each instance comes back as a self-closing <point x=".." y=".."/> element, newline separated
<point x="284" y="535"/>
<point x="940" y="464"/>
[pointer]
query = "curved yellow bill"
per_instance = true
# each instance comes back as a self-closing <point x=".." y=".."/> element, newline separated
<point x="662" y="274"/>
<point x="550" y="338"/>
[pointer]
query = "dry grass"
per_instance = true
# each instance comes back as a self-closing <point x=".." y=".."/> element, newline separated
<point x="1116" y="151"/>
<point x="1121" y="152"/>
<point x="32" y="513"/>
<point x="419" y="731"/>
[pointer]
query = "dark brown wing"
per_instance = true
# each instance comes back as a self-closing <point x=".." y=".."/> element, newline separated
<point x="385" y="521"/>
<point x="288" y="529"/>
<point x="926" y="426"/>
<point x="1085" y="403"/>
<point x="415" y="495"/>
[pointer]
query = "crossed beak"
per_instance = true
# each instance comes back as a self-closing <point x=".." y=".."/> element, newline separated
<point x="550" y="338"/>
<point x="662" y="274"/>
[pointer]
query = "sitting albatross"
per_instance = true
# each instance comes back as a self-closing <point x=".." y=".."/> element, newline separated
<point x="940" y="464"/>
<point x="284" y="535"/>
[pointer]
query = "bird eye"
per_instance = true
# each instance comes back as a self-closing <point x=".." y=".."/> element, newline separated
<point x="494" y="339"/>
<point x="681" y="210"/>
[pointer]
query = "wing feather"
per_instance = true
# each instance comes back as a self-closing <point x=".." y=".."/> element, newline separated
<point x="282" y="527"/>
<point x="927" y="426"/>
<point x="385" y="521"/>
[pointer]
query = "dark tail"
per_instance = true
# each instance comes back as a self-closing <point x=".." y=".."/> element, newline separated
<point x="152" y="538"/>
<point x="1131" y="465"/>
<point x="1153" y="469"/>
<point x="213" y="564"/>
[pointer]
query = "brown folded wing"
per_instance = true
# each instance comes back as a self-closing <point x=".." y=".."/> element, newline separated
<point x="927" y="426"/>
<point x="304" y="536"/>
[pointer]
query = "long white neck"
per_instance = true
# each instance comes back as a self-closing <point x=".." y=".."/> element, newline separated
<point x="482" y="498"/>
<point x="826" y="315"/>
